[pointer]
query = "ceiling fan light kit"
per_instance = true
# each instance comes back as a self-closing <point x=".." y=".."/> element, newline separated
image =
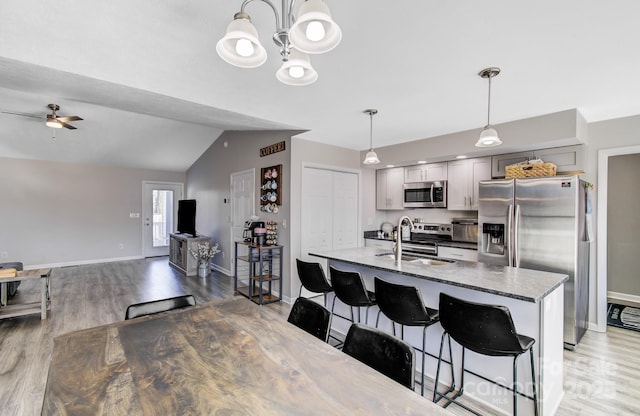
<point x="371" y="158"/>
<point x="313" y="31"/>
<point x="489" y="135"/>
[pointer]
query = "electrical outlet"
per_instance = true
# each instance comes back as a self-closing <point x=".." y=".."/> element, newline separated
<point x="4" y="255"/>
<point x="134" y="215"/>
<point x="223" y="255"/>
<point x="121" y="246"/>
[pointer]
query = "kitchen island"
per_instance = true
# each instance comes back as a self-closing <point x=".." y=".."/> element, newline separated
<point x="534" y="298"/>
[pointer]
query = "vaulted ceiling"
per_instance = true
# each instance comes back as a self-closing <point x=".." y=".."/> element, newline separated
<point x="153" y="93"/>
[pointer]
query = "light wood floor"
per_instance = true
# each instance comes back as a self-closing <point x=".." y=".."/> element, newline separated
<point x="602" y="377"/>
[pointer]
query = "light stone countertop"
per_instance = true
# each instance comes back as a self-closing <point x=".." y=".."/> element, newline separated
<point x="524" y="284"/>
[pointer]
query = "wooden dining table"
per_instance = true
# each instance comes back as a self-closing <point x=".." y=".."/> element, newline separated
<point x="229" y="357"/>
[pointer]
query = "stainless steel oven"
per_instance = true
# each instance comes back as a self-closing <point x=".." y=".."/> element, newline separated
<point x="425" y="194"/>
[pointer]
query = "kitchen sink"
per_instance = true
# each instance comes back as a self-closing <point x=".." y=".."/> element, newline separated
<point x="432" y="262"/>
<point x="414" y="259"/>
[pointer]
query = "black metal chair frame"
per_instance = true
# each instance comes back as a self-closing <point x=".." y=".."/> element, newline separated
<point x="383" y="352"/>
<point x="510" y="330"/>
<point x="178" y="302"/>
<point x="367" y="300"/>
<point x="391" y="297"/>
<point x="320" y="331"/>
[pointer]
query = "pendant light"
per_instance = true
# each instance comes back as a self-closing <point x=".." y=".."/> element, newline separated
<point x="371" y="158"/>
<point x="489" y="135"/>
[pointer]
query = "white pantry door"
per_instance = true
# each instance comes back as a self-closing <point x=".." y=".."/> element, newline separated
<point x="159" y="216"/>
<point x="329" y="210"/>
<point x="242" y="205"/>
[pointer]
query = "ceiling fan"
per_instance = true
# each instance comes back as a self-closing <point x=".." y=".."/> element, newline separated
<point x="52" y="120"/>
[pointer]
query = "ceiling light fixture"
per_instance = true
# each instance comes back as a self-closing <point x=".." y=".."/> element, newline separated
<point x="371" y="158"/>
<point x="489" y="135"/>
<point x="312" y="32"/>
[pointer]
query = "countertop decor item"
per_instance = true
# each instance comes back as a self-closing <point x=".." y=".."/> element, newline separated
<point x="313" y="31"/>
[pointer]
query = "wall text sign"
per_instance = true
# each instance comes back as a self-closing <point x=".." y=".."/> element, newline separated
<point x="274" y="148"/>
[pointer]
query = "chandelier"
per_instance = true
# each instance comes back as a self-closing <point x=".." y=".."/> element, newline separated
<point x="313" y="31"/>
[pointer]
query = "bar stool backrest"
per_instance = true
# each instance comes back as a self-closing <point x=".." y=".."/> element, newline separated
<point x="311" y="317"/>
<point x="312" y="277"/>
<point x="485" y="329"/>
<point x="349" y="287"/>
<point x="161" y="305"/>
<point x="383" y="352"/>
<point x="400" y="303"/>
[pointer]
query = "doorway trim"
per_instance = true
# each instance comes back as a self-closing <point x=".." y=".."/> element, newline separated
<point x="601" y="239"/>
<point x="232" y="205"/>
<point x="143" y="243"/>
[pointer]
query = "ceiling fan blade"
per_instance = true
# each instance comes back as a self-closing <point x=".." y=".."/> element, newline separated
<point x="68" y="126"/>
<point x="68" y="118"/>
<point x="22" y="114"/>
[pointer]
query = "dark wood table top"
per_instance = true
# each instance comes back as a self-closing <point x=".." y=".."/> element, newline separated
<point x="228" y="357"/>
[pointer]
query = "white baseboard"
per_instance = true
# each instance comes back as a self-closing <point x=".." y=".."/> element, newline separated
<point x="623" y="297"/>
<point x="222" y="270"/>
<point x="80" y="262"/>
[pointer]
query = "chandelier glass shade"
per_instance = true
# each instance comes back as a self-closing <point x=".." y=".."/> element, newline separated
<point x="313" y="31"/>
<point x="489" y="135"/>
<point x="297" y="70"/>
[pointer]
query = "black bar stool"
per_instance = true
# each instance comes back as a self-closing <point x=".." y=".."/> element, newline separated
<point x="385" y="353"/>
<point x="403" y="305"/>
<point x="487" y="330"/>
<point x="313" y="279"/>
<point x="350" y="289"/>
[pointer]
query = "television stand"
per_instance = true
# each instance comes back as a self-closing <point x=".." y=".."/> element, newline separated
<point x="179" y="256"/>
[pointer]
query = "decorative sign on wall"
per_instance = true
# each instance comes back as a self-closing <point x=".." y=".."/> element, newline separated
<point x="274" y="148"/>
<point x="271" y="189"/>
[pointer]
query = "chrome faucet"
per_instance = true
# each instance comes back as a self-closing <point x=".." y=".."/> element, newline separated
<point x="397" y="247"/>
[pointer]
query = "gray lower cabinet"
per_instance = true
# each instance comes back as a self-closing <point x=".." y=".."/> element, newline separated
<point x="179" y="255"/>
<point x="455" y="253"/>
<point x="567" y="159"/>
<point x="384" y="244"/>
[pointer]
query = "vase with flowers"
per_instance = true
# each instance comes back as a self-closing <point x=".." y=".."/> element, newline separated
<point x="203" y="255"/>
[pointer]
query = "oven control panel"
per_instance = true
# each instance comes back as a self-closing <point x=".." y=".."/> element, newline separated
<point x="426" y="228"/>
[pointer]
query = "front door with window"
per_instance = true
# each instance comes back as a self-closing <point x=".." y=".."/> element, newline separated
<point x="159" y="213"/>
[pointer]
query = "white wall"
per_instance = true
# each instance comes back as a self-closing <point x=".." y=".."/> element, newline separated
<point x="57" y="214"/>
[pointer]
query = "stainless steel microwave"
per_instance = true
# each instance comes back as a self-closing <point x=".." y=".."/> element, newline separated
<point x="425" y="194"/>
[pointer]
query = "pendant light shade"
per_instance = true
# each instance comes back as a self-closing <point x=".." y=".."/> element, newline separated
<point x="314" y="31"/>
<point x="371" y="158"/>
<point x="489" y="135"/>
<point x="297" y="70"/>
<point x="241" y="46"/>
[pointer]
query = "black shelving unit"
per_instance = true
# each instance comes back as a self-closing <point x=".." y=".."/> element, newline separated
<point x="263" y="271"/>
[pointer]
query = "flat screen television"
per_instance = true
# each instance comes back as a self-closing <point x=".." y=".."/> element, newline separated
<point x="187" y="216"/>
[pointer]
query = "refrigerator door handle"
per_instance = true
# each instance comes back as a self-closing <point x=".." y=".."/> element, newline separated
<point x="516" y="231"/>
<point x="508" y="235"/>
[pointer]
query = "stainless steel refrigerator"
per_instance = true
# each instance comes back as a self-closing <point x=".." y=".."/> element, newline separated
<point x="540" y="224"/>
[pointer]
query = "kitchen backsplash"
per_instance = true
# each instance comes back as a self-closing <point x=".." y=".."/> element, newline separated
<point x="433" y="215"/>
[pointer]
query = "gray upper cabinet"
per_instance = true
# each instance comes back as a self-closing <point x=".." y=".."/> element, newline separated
<point x="426" y="172"/>
<point x="464" y="178"/>
<point x="389" y="193"/>
<point x="567" y="159"/>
